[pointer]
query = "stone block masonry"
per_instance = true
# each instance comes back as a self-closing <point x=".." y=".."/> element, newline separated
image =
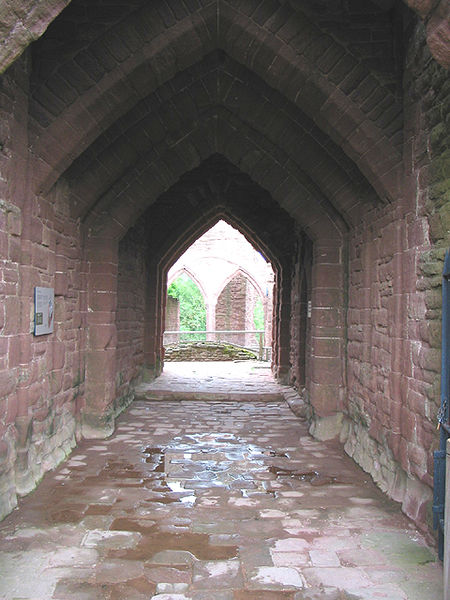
<point x="41" y="378"/>
<point x="130" y="319"/>
<point x="394" y="309"/>
<point x="172" y="321"/>
<point x="128" y="129"/>
<point x="231" y="307"/>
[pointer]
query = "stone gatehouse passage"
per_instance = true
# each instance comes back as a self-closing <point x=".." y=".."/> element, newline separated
<point x="318" y="130"/>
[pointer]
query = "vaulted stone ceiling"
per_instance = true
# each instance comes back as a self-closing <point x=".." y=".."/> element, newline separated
<point x="234" y="104"/>
<point x="305" y="97"/>
<point x="23" y="21"/>
<point x="214" y="190"/>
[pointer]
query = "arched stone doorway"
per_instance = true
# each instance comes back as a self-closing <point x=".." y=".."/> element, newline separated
<point x="235" y="307"/>
<point x="217" y="189"/>
<point x="172" y="319"/>
<point x="212" y="261"/>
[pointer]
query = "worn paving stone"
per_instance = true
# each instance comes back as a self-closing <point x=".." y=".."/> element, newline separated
<point x="110" y="539"/>
<point x="290" y="559"/>
<point x="212" y="500"/>
<point x="170" y="596"/>
<point x="342" y="578"/>
<point x="173" y="557"/>
<point x="268" y="578"/>
<point x="217" y="574"/>
<point x="171" y="588"/>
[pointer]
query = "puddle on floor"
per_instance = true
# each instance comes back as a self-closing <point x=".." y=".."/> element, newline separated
<point x="312" y="477"/>
<point x="202" y="460"/>
<point x="154" y="542"/>
<point x="172" y="474"/>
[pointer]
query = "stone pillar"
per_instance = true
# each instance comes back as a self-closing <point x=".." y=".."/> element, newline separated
<point x="268" y="317"/>
<point x="101" y="269"/>
<point x="275" y="321"/>
<point x="283" y="363"/>
<point x="230" y="308"/>
<point x="161" y="295"/>
<point x="211" y="318"/>
<point x="327" y="385"/>
<point x="300" y="329"/>
<point x="155" y="295"/>
<point x="251" y="295"/>
<point x="172" y="319"/>
<point x="447" y="528"/>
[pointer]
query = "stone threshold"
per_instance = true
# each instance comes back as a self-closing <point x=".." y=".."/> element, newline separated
<point x="295" y="402"/>
<point x="142" y="392"/>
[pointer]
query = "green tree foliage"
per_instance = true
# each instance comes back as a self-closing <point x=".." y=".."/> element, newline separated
<point x="192" y="304"/>
<point x="258" y="315"/>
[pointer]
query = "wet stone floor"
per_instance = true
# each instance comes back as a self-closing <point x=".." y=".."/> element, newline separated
<point x="212" y="501"/>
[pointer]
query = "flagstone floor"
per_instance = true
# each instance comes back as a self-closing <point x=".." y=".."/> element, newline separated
<point x="212" y="500"/>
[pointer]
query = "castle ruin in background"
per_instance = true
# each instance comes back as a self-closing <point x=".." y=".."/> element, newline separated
<point x="232" y="276"/>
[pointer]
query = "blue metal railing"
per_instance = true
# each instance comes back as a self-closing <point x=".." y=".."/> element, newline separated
<point x="443" y="414"/>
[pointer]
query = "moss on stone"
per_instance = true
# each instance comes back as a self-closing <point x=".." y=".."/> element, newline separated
<point x="204" y="351"/>
<point x="438" y="134"/>
<point x="432" y="268"/>
<point x="402" y="550"/>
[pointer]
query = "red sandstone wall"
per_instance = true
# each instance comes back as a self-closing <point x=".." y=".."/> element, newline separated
<point x="390" y="365"/>
<point x="395" y="263"/>
<point x="300" y="329"/>
<point x="41" y="378"/>
<point x="395" y="259"/>
<point x="231" y="308"/>
<point x="251" y="295"/>
<point x="130" y="315"/>
<point x="11" y="222"/>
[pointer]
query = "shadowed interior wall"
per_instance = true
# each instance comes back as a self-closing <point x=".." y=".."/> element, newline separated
<point x="301" y="318"/>
<point x="41" y="378"/>
<point x="130" y="315"/>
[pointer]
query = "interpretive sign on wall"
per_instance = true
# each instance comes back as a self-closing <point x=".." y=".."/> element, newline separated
<point x="44" y="310"/>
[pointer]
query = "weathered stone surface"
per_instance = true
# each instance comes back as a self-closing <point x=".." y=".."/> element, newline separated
<point x="318" y="131"/>
<point x="24" y="22"/>
<point x="191" y="511"/>
<point x="204" y="351"/>
<point x="437" y="16"/>
<point x="377" y="459"/>
<point x="327" y="428"/>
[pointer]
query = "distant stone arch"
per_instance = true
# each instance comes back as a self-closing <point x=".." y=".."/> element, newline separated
<point x="192" y="275"/>
<point x="247" y="275"/>
<point x="172" y="310"/>
<point x="235" y="306"/>
<point x="214" y="259"/>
